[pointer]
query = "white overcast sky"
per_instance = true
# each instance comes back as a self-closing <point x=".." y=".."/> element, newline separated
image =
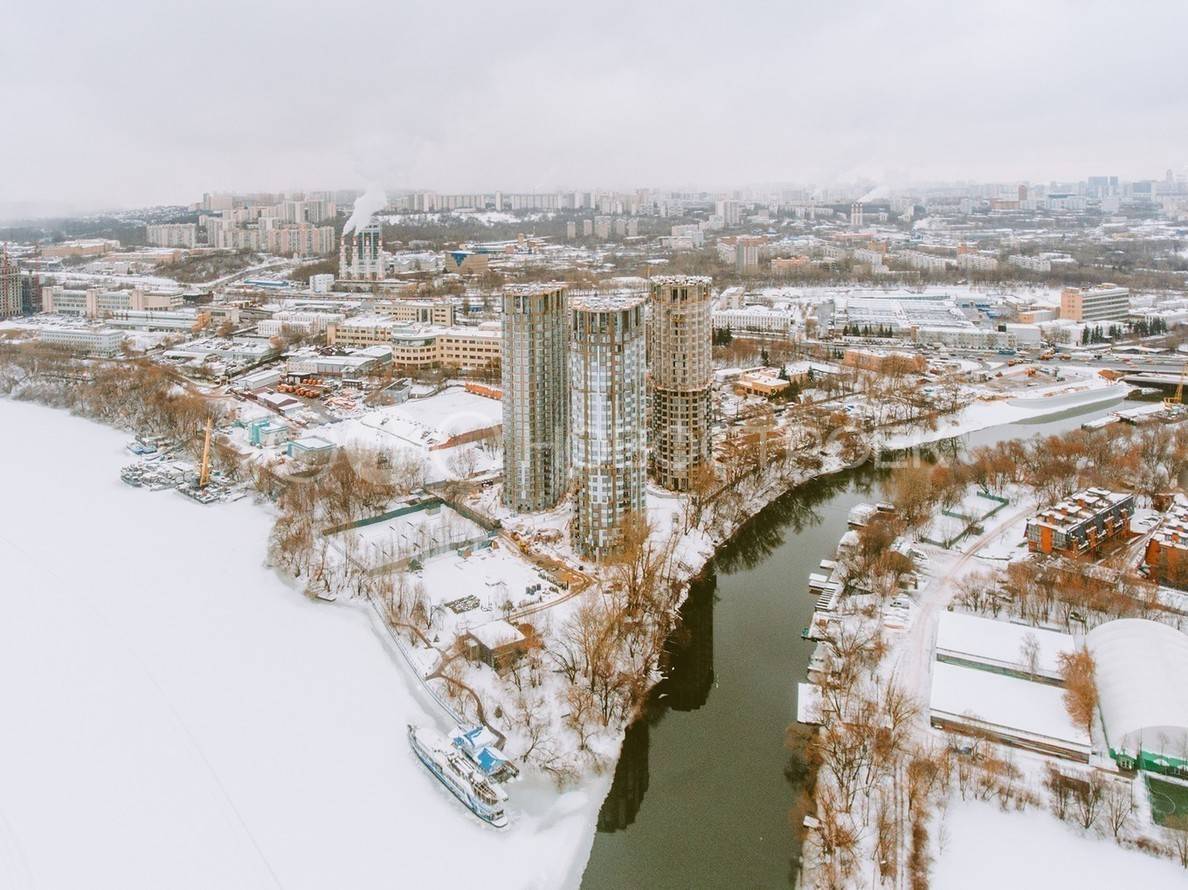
<point x="126" y="103"/>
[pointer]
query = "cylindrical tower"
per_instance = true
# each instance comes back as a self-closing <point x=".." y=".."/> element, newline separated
<point x="535" y="396"/>
<point x="607" y="366"/>
<point x="679" y="341"/>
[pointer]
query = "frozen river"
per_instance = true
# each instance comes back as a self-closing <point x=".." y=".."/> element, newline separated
<point x="177" y="716"/>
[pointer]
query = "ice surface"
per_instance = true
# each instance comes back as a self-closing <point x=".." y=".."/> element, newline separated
<point x="176" y="716"/>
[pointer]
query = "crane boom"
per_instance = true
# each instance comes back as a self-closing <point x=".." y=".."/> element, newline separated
<point x="1178" y="398"/>
<point x="204" y="471"/>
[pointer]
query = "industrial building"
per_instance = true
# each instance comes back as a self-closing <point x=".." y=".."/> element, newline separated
<point x="607" y="413"/>
<point x="234" y="351"/>
<point x="369" y="360"/>
<point x="497" y="644"/>
<point x="903" y="313"/>
<point x="1081" y="523"/>
<point x="1004" y="708"/>
<point x="535" y="396"/>
<point x="679" y="346"/>
<point x="310" y="449"/>
<point x="361" y="255"/>
<point x="1140" y="671"/>
<point x="1002" y="647"/>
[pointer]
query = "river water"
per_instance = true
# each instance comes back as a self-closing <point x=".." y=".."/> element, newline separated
<point x="706" y="793"/>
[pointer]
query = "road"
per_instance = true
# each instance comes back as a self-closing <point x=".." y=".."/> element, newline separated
<point x="242" y="273"/>
<point x="913" y="666"/>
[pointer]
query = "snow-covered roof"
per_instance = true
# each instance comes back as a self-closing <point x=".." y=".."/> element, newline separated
<point x="495" y="634"/>
<point x="1019" y="708"/>
<point x="1000" y="643"/>
<point x="1141" y="668"/>
<point x="606" y="300"/>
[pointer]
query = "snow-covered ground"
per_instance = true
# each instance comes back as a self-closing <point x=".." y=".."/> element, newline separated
<point x="983" y="848"/>
<point x="980" y="415"/>
<point x="417" y="425"/>
<point x="177" y="716"/>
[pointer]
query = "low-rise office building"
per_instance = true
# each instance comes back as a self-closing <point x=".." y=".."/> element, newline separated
<point x="759" y="319"/>
<point x="94" y="302"/>
<point x="96" y="341"/>
<point x="1105" y="303"/>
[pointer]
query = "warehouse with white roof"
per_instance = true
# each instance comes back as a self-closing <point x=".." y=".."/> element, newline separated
<point x="1016" y="650"/>
<point x="1142" y="688"/>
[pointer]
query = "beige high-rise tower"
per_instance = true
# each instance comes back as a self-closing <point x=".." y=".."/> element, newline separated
<point x="535" y="396"/>
<point x="679" y="340"/>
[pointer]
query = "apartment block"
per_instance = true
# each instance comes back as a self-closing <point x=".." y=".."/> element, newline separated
<point x="607" y="415"/>
<point x="1081" y="523"/>
<point x="536" y="406"/>
<point x="10" y="287"/>
<point x="679" y="352"/>
<point x="1167" y="550"/>
<point x="172" y="235"/>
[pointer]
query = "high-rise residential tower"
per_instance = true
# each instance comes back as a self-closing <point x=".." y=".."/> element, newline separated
<point x="679" y="341"/>
<point x="535" y="396"/>
<point x="607" y="415"/>
<point x="10" y="286"/>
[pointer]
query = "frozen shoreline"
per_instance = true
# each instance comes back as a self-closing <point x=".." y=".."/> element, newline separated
<point x="189" y="720"/>
<point x="984" y="415"/>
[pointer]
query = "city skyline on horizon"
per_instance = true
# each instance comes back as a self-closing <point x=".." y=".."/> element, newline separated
<point x="31" y="211"/>
<point x="614" y="94"/>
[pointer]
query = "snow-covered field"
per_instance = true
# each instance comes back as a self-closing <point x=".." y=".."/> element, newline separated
<point x="984" y="848"/>
<point x="418" y="424"/>
<point x="177" y="716"/>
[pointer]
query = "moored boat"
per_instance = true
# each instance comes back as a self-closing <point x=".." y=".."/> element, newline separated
<point x="461" y="776"/>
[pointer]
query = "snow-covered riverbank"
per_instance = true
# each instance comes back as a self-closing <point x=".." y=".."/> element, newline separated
<point x="984" y="415"/>
<point x="177" y="716"/>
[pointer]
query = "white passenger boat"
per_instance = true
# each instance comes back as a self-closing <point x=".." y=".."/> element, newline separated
<point x="459" y="774"/>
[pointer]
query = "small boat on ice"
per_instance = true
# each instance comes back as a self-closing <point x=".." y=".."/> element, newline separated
<point x="459" y="774"/>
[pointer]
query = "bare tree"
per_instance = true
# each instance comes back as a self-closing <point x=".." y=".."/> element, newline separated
<point x="1119" y="807"/>
<point x="1029" y="651"/>
<point x="1088" y="797"/>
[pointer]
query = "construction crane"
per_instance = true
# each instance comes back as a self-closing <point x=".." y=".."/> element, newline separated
<point x="1178" y="398"/>
<point x="204" y="470"/>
